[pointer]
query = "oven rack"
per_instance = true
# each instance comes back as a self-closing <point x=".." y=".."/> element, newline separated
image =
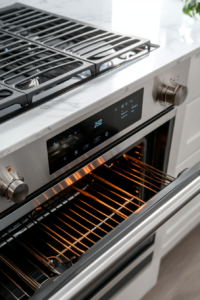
<point x="52" y="238"/>
<point x="33" y="69"/>
<point x="103" y="48"/>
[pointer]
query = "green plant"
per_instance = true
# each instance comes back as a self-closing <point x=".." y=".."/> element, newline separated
<point x="191" y="7"/>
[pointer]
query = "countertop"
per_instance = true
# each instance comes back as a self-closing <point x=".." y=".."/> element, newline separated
<point x="161" y="21"/>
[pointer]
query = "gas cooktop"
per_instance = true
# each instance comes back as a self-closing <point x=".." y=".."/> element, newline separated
<point x="43" y="55"/>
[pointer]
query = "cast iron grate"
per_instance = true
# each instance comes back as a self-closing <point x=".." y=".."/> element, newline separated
<point x="33" y="69"/>
<point x="10" y="100"/>
<point x="103" y="48"/>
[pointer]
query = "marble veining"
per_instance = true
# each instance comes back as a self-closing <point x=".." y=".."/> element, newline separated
<point x="161" y="21"/>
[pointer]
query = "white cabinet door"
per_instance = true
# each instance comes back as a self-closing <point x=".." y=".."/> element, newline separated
<point x="190" y="133"/>
<point x="190" y="137"/>
<point x="186" y="219"/>
<point x="141" y="284"/>
<point x="194" y="78"/>
<point x="180" y="225"/>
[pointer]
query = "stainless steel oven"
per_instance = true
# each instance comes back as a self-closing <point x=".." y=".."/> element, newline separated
<point x="89" y="239"/>
<point x="80" y="206"/>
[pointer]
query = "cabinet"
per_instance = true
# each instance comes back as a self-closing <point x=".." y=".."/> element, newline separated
<point x="187" y="218"/>
<point x="190" y="137"/>
<point x="190" y="133"/>
<point x="185" y="153"/>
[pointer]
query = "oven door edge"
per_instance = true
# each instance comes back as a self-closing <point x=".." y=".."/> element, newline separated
<point x="86" y="279"/>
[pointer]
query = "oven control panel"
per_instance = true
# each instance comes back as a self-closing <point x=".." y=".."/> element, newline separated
<point x="86" y="135"/>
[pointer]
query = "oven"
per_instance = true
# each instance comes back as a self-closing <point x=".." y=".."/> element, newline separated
<point x="80" y="206"/>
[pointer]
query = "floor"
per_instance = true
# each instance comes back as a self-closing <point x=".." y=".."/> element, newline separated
<point x="179" y="277"/>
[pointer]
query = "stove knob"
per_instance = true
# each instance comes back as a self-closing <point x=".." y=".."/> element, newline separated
<point x="13" y="187"/>
<point x="173" y="93"/>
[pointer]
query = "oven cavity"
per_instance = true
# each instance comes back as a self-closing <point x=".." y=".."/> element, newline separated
<point x="53" y="237"/>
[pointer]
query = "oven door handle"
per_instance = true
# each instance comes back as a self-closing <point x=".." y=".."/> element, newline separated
<point x="177" y="194"/>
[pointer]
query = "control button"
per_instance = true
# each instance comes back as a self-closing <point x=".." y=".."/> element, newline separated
<point x="122" y="106"/>
<point x="126" y="103"/>
<point x="75" y="152"/>
<point x="85" y="147"/>
<point x="13" y="187"/>
<point x="97" y="139"/>
<point x="106" y="134"/>
<point x="172" y="93"/>
<point x="65" y="158"/>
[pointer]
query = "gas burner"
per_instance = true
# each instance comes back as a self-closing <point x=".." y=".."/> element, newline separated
<point x="42" y="54"/>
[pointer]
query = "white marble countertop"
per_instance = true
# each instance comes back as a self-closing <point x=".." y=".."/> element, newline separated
<point x="161" y="21"/>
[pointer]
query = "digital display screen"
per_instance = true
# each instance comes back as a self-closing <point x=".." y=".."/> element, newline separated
<point x="86" y="135"/>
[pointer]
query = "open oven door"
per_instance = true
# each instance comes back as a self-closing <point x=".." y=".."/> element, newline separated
<point x="90" y="278"/>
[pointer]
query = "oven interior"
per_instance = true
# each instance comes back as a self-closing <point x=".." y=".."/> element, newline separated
<point x="52" y="238"/>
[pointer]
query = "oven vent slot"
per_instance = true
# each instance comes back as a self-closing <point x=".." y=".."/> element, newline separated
<point x="36" y="70"/>
<point x="54" y="236"/>
<point x="103" y="48"/>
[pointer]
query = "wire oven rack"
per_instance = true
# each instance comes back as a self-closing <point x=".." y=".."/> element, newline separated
<point x="54" y="236"/>
<point x="104" y="48"/>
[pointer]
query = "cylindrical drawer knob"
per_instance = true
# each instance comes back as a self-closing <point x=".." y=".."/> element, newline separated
<point x="17" y="191"/>
<point x="172" y="93"/>
<point x="176" y="94"/>
<point x="13" y="187"/>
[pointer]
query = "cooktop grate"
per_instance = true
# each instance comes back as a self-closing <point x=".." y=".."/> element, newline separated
<point x="103" y="48"/>
<point x="54" y="236"/>
<point x="33" y="69"/>
<point x="10" y="99"/>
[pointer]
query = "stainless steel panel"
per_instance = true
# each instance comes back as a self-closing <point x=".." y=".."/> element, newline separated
<point x="31" y="161"/>
<point x="83" y="171"/>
